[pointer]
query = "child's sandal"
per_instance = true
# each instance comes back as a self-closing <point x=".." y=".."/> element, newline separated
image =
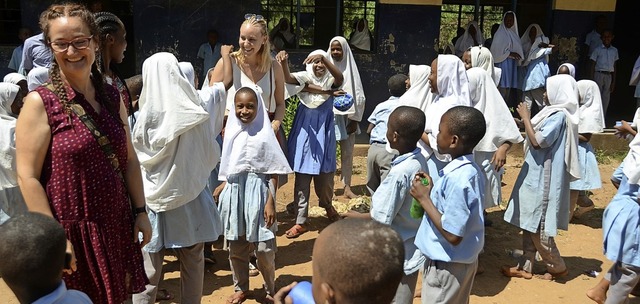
<point x="295" y="231"/>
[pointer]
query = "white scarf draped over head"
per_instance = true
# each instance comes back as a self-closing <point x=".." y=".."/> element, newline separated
<point x="481" y="58"/>
<point x="8" y="177"/>
<point x="173" y="137"/>
<point x="487" y="99"/>
<point x="37" y="77"/>
<point x="352" y="83"/>
<point x="187" y="70"/>
<point x="631" y="163"/>
<point x="466" y="40"/>
<point x="419" y="94"/>
<point x="532" y="49"/>
<point x="361" y="39"/>
<point x="506" y="40"/>
<point x="14" y="78"/>
<point x="312" y="100"/>
<point x="251" y="147"/>
<point x="562" y="92"/>
<point x="591" y="114"/>
<point x="570" y="67"/>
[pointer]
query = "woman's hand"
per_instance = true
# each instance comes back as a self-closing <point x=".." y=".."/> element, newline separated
<point x="523" y="111"/>
<point x="68" y="269"/>
<point x="143" y="225"/>
<point x="225" y="50"/>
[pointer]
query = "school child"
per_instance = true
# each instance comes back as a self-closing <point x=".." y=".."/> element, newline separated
<point x="635" y="81"/>
<point x="451" y="234"/>
<point x="539" y="203"/>
<point x="448" y="82"/>
<point x="11" y="200"/>
<point x="391" y="204"/>
<point x="591" y="121"/>
<point x="312" y="141"/>
<point x="603" y="68"/>
<point x="535" y="67"/>
<point x="251" y="161"/>
<point x="348" y="269"/>
<point x="480" y="57"/>
<point x="378" y="156"/>
<point x="501" y="132"/>
<point x="567" y="68"/>
<point x="33" y="257"/>
<point x="472" y="36"/>
<point x="418" y="94"/>
<point x="507" y="52"/>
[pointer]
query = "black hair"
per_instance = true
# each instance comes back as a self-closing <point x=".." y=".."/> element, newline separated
<point x="409" y="122"/>
<point x="212" y="31"/>
<point x="247" y="90"/>
<point x="494" y="28"/>
<point x="134" y="86"/>
<point x="32" y="254"/>
<point x="467" y="123"/>
<point x="563" y="69"/>
<point x="397" y="84"/>
<point x="364" y="262"/>
<point x="608" y="30"/>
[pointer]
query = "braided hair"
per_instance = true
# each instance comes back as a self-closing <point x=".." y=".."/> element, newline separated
<point x="79" y="11"/>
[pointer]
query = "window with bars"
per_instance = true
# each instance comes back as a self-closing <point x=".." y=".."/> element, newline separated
<point x="454" y="16"/>
<point x="316" y="21"/>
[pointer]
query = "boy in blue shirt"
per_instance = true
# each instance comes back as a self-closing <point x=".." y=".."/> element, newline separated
<point x="603" y="68"/>
<point x="391" y="203"/>
<point x="378" y="158"/>
<point x="451" y="234"/>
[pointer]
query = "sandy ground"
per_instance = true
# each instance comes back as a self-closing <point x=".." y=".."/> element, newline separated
<point x="581" y="248"/>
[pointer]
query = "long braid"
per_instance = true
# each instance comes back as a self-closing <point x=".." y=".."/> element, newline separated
<point x="101" y="94"/>
<point x="59" y="89"/>
<point x="107" y="23"/>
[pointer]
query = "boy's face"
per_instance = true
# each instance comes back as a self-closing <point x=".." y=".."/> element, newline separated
<point x="392" y="134"/>
<point x="607" y="37"/>
<point x="446" y="141"/>
<point x="246" y="107"/>
<point x="433" y="77"/>
<point x="466" y="58"/>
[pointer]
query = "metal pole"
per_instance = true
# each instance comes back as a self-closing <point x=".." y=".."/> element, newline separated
<point x="475" y="15"/>
<point x="514" y="5"/>
<point x="338" y="19"/>
<point x="298" y="26"/>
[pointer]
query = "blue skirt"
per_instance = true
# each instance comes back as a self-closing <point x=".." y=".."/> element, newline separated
<point x="589" y="173"/>
<point x="312" y="141"/>
<point x="621" y="225"/>
<point x="509" y="78"/>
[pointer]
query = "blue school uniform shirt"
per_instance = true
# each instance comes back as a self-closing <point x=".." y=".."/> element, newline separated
<point x="210" y="55"/>
<point x="391" y="205"/>
<point x="458" y="196"/>
<point x="605" y="58"/>
<point x="62" y="295"/>
<point x="537" y="72"/>
<point x="379" y="118"/>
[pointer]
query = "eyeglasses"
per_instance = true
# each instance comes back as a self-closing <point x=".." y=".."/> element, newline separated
<point x="254" y="16"/>
<point x="78" y="44"/>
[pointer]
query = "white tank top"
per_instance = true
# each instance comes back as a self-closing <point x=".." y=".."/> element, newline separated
<point x="266" y="85"/>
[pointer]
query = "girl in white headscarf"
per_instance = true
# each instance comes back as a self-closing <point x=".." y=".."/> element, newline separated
<point x="472" y="37"/>
<point x="448" y="82"/>
<point x="501" y="132"/>
<point x="11" y="200"/>
<point x="480" y="57"/>
<point x="591" y="121"/>
<point x="539" y="201"/>
<point x="361" y="37"/>
<point x="567" y="68"/>
<point x="174" y="141"/>
<point x="17" y="79"/>
<point x="535" y="66"/>
<point x="347" y="122"/>
<point x="312" y="140"/>
<point x="419" y="94"/>
<point x="251" y="161"/>
<point x="36" y="77"/>
<point x="507" y="52"/>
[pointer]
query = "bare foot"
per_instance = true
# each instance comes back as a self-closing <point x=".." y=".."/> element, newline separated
<point x="348" y="193"/>
<point x="514" y="272"/>
<point x="237" y="298"/>
<point x="598" y="293"/>
<point x="552" y="276"/>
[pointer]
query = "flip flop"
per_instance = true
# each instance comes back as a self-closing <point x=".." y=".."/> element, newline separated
<point x="295" y="231"/>
<point x="163" y="295"/>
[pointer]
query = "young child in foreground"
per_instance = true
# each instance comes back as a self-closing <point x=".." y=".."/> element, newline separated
<point x="451" y="234"/>
<point x="391" y="203"/>
<point x="354" y="261"/>
<point x="32" y="258"/>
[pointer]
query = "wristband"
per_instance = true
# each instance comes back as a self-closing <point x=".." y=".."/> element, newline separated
<point x="139" y="210"/>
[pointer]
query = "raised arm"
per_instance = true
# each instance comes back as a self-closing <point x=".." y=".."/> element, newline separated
<point x="217" y="75"/>
<point x="227" y="78"/>
<point x="279" y="96"/>
<point x="526" y="120"/>
<point x="283" y="58"/>
<point x="335" y="72"/>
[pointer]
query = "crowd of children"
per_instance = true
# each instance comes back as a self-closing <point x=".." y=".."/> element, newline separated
<point x="437" y="148"/>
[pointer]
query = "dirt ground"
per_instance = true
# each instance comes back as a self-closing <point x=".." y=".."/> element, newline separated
<point x="581" y="248"/>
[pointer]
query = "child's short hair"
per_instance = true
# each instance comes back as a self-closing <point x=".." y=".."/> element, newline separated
<point x="364" y="261"/>
<point x="397" y="84"/>
<point x="246" y="90"/>
<point x="467" y="123"/>
<point x="607" y="30"/>
<point x="409" y="122"/>
<point x="32" y="254"/>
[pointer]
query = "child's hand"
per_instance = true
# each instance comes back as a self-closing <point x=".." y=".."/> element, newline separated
<point x="270" y="211"/>
<point x="282" y="56"/>
<point x="282" y="296"/>
<point x="352" y="127"/>
<point x="499" y="158"/>
<point x="338" y="92"/>
<point x="515" y="56"/>
<point x="217" y="191"/>
<point x="72" y="259"/>
<point x="225" y="50"/>
<point x="313" y="58"/>
<point x="419" y="191"/>
<point x="523" y="111"/>
<point x="624" y="129"/>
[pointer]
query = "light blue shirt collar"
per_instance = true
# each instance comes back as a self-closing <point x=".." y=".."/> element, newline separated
<point x="400" y="158"/>
<point x="455" y="164"/>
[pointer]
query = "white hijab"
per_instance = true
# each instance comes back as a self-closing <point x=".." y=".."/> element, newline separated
<point x="352" y="83"/>
<point x="591" y="114"/>
<point x="37" y="77"/>
<point x="312" y="100"/>
<point x="14" y="78"/>
<point x="419" y="94"/>
<point x="562" y="92"/>
<point x="466" y="40"/>
<point x="8" y="177"/>
<point x="187" y="70"/>
<point x="173" y="137"/>
<point x="251" y="147"/>
<point x="506" y="40"/>
<point x="481" y="58"/>
<point x="572" y="69"/>
<point x="635" y="74"/>
<point x="531" y="49"/>
<point x="361" y="39"/>
<point x="486" y="98"/>
<point x="631" y="168"/>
